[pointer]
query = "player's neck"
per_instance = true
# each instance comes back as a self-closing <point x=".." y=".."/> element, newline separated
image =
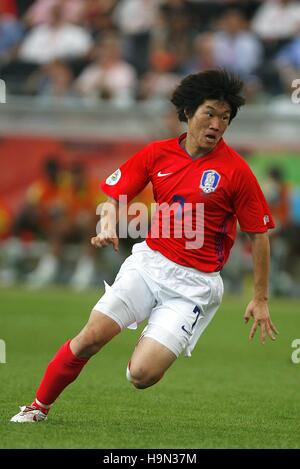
<point x="193" y="151"/>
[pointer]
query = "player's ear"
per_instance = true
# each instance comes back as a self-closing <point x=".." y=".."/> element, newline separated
<point x="186" y="113"/>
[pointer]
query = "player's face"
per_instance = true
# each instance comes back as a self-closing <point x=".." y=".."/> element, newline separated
<point x="208" y="124"/>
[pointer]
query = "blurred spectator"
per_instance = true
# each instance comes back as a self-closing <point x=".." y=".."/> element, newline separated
<point x="109" y="77"/>
<point x="295" y="206"/>
<point x="276" y="191"/>
<point x="238" y="266"/>
<point x="288" y="62"/>
<point x="205" y="12"/>
<point x="160" y="80"/>
<point x="212" y="50"/>
<point x="68" y="29"/>
<point x="72" y="11"/>
<point x="53" y="80"/>
<point x="204" y="54"/>
<point x="60" y="209"/>
<point x="82" y="198"/>
<point x="236" y="47"/>
<point x="56" y="39"/>
<point x="174" y="31"/>
<point x="98" y="17"/>
<point x="44" y="203"/>
<point x="11" y="33"/>
<point x="82" y="195"/>
<point x="293" y="239"/>
<point x="23" y="6"/>
<point x="135" y="20"/>
<point x="232" y="47"/>
<point x="44" y="208"/>
<point x="276" y="22"/>
<point x="277" y="19"/>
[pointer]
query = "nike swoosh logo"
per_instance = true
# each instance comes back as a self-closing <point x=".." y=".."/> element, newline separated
<point x="160" y="174"/>
<point x="184" y="329"/>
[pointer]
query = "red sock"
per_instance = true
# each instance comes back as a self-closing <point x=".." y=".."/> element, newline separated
<point x="61" y="371"/>
<point x="38" y="405"/>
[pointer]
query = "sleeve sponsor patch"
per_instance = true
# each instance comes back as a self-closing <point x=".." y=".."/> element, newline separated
<point x="114" y="178"/>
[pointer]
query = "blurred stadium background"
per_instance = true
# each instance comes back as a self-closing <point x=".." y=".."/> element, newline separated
<point x="87" y="84"/>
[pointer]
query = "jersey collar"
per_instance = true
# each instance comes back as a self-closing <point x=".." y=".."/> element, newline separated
<point x="218" y="147"/>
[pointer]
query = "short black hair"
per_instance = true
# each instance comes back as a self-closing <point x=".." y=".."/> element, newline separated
<point x="195" y="89"/>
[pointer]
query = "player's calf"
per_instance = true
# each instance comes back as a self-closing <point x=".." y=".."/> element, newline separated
<point x="99" y="330"/>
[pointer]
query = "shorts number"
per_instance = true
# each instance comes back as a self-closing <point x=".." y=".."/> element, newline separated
<point x="197" y="311"/>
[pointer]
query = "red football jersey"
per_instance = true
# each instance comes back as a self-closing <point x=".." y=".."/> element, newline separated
<point x="221" y="180"/>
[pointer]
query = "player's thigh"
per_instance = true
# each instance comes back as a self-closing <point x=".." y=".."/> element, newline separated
<point x="150" y="358"/>
<point x="130" y="300"/>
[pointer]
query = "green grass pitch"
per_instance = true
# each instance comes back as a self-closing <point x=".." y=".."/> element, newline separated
<point x="230" y="394"/>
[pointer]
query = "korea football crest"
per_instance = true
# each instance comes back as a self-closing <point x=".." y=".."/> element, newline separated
<point x="209" y="181"/>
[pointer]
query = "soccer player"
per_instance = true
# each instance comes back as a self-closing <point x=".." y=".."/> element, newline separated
<point x="175" y="285"/>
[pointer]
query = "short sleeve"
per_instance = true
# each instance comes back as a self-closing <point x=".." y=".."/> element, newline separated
<point x="250" y="205"/>
<point x="132" y="177"/>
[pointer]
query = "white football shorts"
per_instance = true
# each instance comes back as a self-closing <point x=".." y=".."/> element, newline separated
<point x="179" y="302"/>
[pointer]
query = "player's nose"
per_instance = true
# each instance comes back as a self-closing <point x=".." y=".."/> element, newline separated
<point x="215" y="124"/>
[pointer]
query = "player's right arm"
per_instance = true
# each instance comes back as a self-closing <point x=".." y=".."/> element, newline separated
<point x="107" y="235"/>
<point x="128" y="180"/>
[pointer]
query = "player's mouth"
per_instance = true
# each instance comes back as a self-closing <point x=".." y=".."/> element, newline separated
<point x="211" y="138"/>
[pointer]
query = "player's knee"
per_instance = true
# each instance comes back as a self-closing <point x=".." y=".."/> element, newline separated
<point x="141" y="377"/>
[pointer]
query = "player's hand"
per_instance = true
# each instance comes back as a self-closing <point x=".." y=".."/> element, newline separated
<point x="259" y="310"/>
<point x="105" y="238"/>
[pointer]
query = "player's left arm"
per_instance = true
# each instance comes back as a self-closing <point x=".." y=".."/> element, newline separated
<point x="258" y="307"/>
